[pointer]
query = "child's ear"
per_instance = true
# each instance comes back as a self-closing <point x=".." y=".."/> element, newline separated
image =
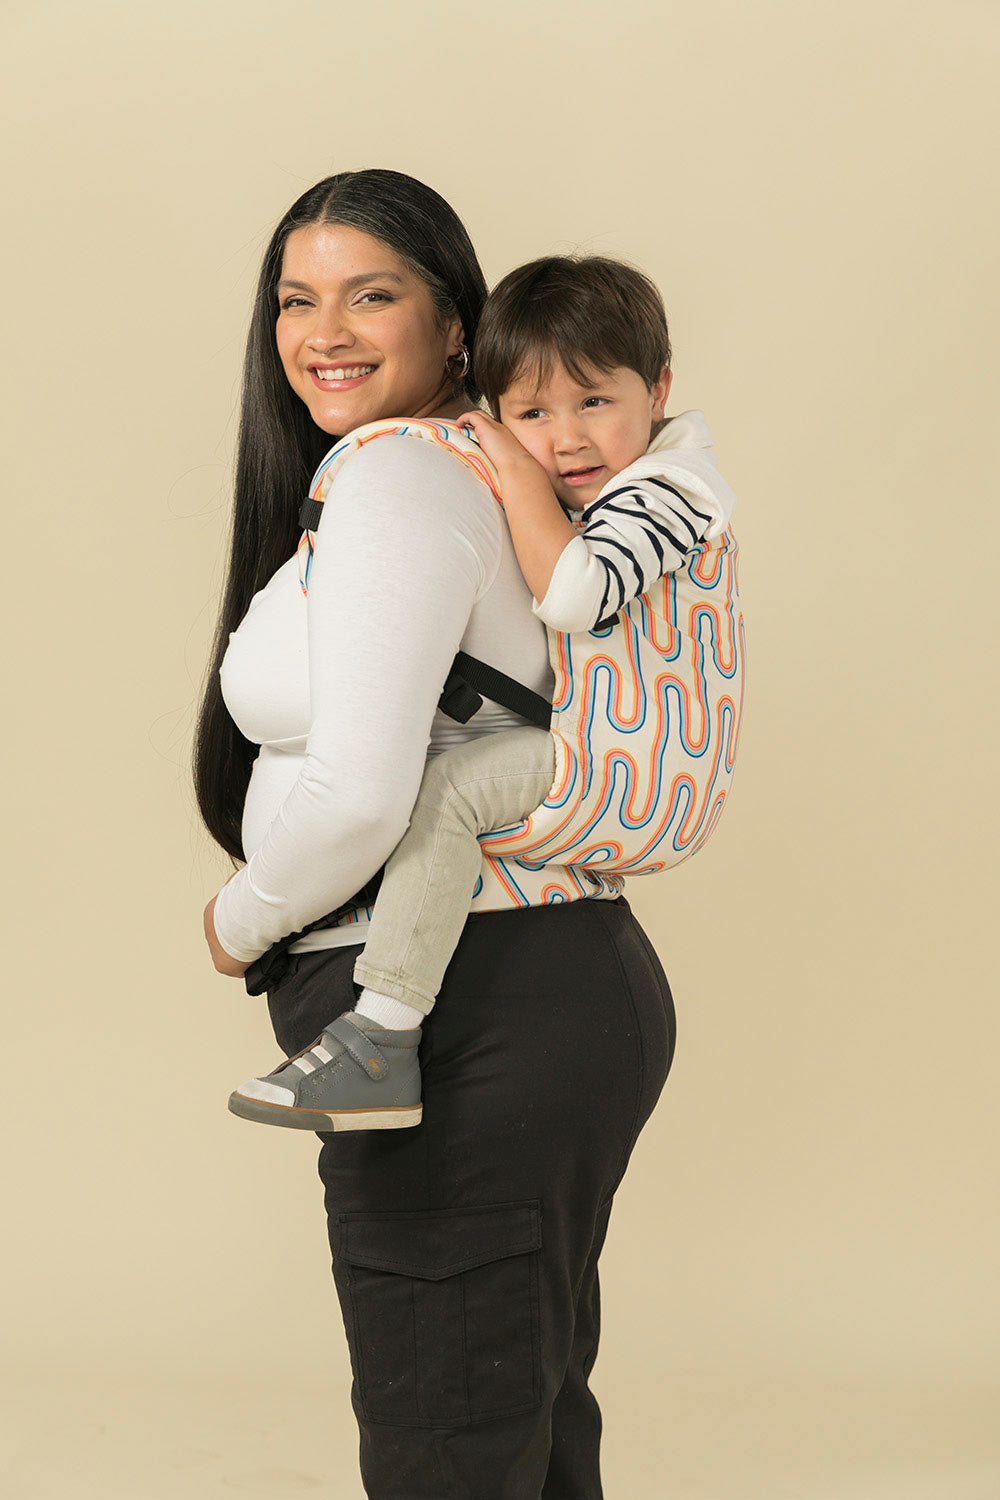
<point x="660" y="392"/>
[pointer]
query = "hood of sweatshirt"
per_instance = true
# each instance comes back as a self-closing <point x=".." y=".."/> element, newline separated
<point x="683" y="454"/>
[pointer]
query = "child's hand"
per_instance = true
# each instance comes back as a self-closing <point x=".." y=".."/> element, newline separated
<point x="498" y="443"/>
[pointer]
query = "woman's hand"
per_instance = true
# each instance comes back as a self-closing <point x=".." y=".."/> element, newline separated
<point x="223" y="961"/>
<point x="499" y="444"/>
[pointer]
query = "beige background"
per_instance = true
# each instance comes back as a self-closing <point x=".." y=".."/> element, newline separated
<point x="800" y="1287"/>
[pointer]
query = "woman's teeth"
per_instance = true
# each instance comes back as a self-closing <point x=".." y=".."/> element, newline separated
<point x="345" y="374"/>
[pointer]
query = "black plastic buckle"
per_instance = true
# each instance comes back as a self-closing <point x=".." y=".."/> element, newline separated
<point x="266" y="971"/>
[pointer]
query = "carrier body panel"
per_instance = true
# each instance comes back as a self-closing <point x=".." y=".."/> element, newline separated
<point x="645" y="714"/>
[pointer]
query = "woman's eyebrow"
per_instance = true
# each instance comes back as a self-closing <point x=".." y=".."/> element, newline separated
<point x="350" y="283"/>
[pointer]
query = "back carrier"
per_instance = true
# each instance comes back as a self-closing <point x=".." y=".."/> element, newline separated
<point x="645" y="714"/>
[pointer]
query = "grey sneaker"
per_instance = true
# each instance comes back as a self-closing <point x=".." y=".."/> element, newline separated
<point x="357" y="1075"/>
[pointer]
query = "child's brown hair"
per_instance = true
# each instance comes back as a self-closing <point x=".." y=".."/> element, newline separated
<point x="575" y="310"/>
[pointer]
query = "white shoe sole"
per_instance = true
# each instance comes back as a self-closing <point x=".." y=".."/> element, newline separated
<point x="324" y="1119"/>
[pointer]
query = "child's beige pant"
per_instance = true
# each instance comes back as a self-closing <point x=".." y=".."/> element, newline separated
<point x="488" y="783"/>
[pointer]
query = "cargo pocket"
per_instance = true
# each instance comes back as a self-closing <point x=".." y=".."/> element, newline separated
<point x="441" y="1312"/>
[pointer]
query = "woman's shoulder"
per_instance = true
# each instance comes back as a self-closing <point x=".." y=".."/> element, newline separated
<point x="414" y="470"/>
<point x="406" y="439"/>
<point x="415" y="491"/>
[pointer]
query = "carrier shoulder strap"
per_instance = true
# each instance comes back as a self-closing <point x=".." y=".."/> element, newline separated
<point x="470" y="680"/>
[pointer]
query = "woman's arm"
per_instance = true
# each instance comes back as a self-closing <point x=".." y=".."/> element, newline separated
<point x="407" y="541"/>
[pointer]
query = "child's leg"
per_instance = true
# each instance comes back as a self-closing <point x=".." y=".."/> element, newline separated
<point x="363" y="1072"/>
<point x="485" y="784"/>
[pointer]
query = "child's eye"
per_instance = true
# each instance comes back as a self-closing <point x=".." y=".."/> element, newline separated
<point x="602" y="399"/>
<point x="533" y="412"/>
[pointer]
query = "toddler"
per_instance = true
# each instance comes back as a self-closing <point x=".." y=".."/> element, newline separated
<point x="573" y="356"/>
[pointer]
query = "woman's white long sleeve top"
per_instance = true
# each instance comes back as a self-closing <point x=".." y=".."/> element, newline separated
<point x="413" y="561"/>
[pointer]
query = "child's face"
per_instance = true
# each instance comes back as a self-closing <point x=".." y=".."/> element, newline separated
<point x="597" y="429"/>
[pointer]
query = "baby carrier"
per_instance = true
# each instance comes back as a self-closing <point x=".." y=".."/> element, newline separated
<point x="665" y="675"/>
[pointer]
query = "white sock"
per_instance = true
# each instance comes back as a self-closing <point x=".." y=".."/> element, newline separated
<point x="394" y="1014"/>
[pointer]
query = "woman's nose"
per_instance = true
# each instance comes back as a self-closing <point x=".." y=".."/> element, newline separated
<point x="329" y="327"/>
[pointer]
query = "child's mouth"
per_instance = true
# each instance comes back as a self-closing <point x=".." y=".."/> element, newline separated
<point x="582" y="476"/>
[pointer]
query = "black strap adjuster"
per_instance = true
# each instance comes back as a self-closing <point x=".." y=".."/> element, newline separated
<point x="458" y="700"/>
<point x="309" y="513"/>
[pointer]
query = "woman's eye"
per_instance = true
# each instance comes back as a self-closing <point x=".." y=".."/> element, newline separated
<point x="293" y="301"/>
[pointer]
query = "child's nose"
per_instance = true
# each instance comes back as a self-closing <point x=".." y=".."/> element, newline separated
<point x="570" y="438"/>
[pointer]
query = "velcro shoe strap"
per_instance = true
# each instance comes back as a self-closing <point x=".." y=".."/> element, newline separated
<point x="360" y="1046"/>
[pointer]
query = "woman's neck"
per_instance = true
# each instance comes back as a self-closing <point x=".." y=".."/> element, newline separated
<point x="444" y="404"/>
<point x="454" y="408"/>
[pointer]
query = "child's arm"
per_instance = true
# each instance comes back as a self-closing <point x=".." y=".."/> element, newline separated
<point x="539" y="527"/>
<point x="632" y="536"/>
<point x="582" y="579"/>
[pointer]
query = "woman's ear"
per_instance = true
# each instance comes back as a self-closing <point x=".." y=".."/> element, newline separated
<point x="456" y="336"/>
<point x="660" y="392"/>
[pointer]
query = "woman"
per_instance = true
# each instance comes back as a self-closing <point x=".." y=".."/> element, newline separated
<point x="465" y="1250"/>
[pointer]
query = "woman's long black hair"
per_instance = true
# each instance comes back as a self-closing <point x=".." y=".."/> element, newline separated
<point x="279" y="446"/>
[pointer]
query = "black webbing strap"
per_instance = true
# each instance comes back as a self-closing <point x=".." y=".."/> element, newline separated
<point x="310" y="513"/>
<point x="470" y="677"/>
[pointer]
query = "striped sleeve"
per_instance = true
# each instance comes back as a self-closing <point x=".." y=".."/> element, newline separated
<point x="631" y="537"/>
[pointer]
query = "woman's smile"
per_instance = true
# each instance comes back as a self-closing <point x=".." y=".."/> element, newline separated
<point x="340" y="377"/>
<point x="357" y="330"/>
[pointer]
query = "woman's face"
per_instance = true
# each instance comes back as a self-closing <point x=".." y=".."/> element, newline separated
<point x="357" y="332"/>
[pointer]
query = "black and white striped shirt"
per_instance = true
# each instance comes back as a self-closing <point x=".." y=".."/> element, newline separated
<point x="632" y="535"/>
